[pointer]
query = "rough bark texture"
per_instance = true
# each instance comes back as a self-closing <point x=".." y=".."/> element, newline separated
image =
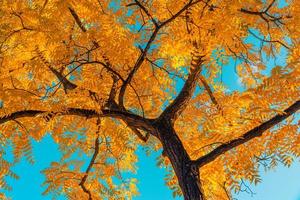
<point x="187" y="173"/>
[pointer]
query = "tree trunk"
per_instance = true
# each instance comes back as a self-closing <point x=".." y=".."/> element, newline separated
<point x="187" y="174"/>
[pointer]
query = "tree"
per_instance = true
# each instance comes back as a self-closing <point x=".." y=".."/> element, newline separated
<point x="101" y="76"/>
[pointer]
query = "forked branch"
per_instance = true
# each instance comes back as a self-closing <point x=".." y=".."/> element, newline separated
<point x="265" y="15"/>
<point x="92" y="162"/>
<point x="145" y="10"/>
<point x="144" y="52"/>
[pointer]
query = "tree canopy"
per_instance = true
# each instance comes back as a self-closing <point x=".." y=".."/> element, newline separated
<point x="101" y="77"/>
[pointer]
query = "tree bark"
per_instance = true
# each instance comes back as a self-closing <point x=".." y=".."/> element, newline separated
<point x="187" y="173"/>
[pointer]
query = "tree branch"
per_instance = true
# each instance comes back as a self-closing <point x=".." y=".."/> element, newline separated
<point x="68" y="85"/>
<point x="111" y="104"/>
<point x="264" y="14"/>
<point x="134" y="120"/>
<point x="62" y="79"/>
<point x="139" y="4"/>
<point x="143" y="55"/>
<point x="209" y="91"/>
<point x="181" y="101"/>
<point x="269" y="41"/>
<point x="105" y="64"/>
<point x="20" y="114"/>
<point x="139" y="134"/>
<point x="138" y="63"/>
<point x="92" y="162"/>
<point x="113" y="90"/>
<point x="107" y="67"/>
<point x="255" y="132"/>
<point x="77" y="19"/>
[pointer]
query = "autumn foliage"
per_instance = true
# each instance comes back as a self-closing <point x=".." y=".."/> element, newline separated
<point x="102" y="78"/>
